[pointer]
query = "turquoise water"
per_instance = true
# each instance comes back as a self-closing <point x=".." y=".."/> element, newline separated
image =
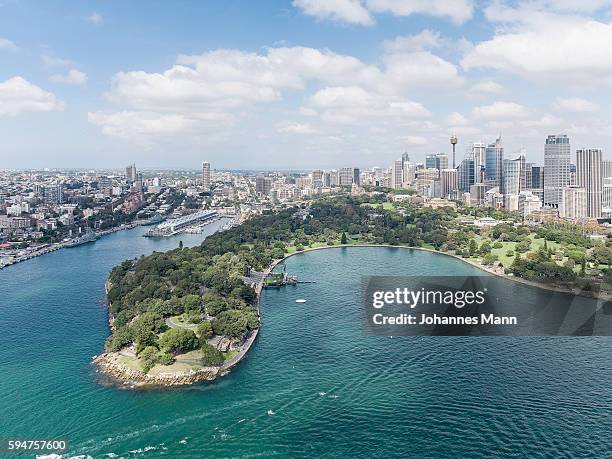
<point x="334" y="392"/>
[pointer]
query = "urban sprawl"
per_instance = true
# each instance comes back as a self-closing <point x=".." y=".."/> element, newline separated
<point x="42" y="211"/>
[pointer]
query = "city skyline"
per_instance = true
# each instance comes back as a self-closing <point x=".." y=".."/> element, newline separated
<point x="305" y="84"/>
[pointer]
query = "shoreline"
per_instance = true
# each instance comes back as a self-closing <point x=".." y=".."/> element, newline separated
<point x="123" y="376"/>
<point x="554" y="288"/>
<point x="65" y="245"/>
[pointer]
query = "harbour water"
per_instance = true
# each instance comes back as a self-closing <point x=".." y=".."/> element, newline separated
<point x="312" y="385"/>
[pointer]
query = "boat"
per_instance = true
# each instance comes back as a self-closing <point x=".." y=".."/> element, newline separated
<point x="153" y="220"/>
<point x="301" y="300"/>
<point x="271" y="413"/>
<point x="89" y="236"/>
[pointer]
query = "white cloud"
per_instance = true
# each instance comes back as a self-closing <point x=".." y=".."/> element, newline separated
<point x="54" y="61"/>
<point x="18" y="95"/>
<point x="360" y="11"/>
<point x="95" y="18"/>
<point x="523" y="44"/>
<point x="426" y="39"/>
<point x="458" y="11"/>
<point x="500" y="111"/>
<point x="576" y="105"/>
<point x="420" y="69"/>
<point x="415" y="140"/>
<point x="296" y="128"/>
<point x="73" y="77"/>
<point x="456" y="119"/>
<point x="351" y="11"/>
<point x="489" y="87"/>
<point x="141" y="127"/>
<point x="355" y="105"/>
<point x="5" y="43"/>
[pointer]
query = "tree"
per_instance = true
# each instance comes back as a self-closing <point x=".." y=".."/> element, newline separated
<point x="235" y="322"/>
<point x="120" y="338"/>
<point x="149" y="358"/>
<point x="211" y="356"/>
<point x="165" y="358"/>
<point x="205" y="330"/>
<point x="343" y="239"/>
<point x="178" y="340"/>
<point x="473" y="247"/>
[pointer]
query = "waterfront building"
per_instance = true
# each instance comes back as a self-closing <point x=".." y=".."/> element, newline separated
<point x="556" y="168"/>
<point x="588" y="176"/>
<point x="573" y="203"/>
<point x="206" y="175"/>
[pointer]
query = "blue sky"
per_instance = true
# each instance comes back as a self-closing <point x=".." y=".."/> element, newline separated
<point x="296" y="84"/>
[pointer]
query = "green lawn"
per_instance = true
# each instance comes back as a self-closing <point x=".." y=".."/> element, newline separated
<point x="385" y="205"/>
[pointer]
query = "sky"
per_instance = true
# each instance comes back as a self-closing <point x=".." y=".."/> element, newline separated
<point x="297" y="84"/>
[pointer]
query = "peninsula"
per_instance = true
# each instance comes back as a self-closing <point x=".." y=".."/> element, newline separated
<point x="191" y="314"/>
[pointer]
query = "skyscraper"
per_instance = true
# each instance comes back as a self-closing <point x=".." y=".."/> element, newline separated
<point x="397" y="174"/>
<point x="588" y="176"/>
<point x="494" y="157"/>
<point x="356" y="176"/>
<point x="465" y="172"/>
<point x="513" y="175"/>
<point x="556" y="168"/>
<point x="206" y="175"/>
<point x="130" y="173"/>
<point x="448" y="179"/>
<point x="479" y="157"/>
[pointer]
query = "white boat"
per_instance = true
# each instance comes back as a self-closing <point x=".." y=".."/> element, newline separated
<point x="301" y="300"/>
<point x="270" y="413"/>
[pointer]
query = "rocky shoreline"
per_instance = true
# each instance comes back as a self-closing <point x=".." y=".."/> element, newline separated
<point x="120" y="375"/>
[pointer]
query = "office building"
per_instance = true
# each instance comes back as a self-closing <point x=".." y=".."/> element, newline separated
<point x="396" y="175"/>
<point x="556" y="168"/>
<point x="439" y="161"/>
<point x="494" y="157"/>
<point x="479" y="150"/>
<point x="465" y="173"/>
<point x="346" y="176"/>
<point x="573" y="203"/>
<point x="588" y="176"/>
<point x="513" y="175"/>
<point x="448" y="179"/>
